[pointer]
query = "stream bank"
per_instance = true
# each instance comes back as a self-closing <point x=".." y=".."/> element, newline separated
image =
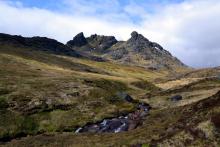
<point x="121" y="123"/>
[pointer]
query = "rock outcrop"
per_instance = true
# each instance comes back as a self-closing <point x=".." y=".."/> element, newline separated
<point x="101" y="42"/>
<point x="78" y="41"/>
<point x="95" y="43"/>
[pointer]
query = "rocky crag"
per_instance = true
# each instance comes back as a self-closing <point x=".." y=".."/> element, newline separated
<point x="137" y="50"/>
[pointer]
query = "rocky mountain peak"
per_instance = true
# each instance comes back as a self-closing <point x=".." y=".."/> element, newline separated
<point x="137" y="42"/>
<point x="94" y="43"/>
<point x="135" y="36"/>
<point x="101" y="42"/>
<point x="78" y="41"/>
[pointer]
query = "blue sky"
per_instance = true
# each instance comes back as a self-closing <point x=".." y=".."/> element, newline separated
<point x="52" y="5"/>
<point x="117" y="6"/>
<point x="189" y="29"/>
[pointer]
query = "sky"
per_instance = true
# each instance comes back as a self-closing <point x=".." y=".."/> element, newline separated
<point x="189" y="29"/>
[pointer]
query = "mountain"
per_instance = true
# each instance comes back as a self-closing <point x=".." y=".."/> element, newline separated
<point x="52" y="94"/>
<point x="137" y="51"/>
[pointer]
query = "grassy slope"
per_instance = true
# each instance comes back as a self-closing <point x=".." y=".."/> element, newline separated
<point x="46" y="93"/>
<point x="183" y="126"/>
<point x="43" y="93"/>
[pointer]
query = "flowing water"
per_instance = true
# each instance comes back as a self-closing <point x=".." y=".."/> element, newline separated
<point x="118" y="124"/>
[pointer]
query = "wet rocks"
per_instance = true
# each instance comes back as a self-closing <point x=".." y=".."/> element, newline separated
<point x="118" y="124"/>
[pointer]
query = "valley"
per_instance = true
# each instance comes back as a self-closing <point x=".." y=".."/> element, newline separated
<point x="48" y="90"/>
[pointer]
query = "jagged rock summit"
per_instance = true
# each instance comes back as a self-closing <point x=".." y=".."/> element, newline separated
<point x="94" y="43"/>
<point x="137" y="51"/>
<point x="138" y="41"/>
<point x="78" y="41"/>
<point x="140" y="51"/>
<point x="101" y="42"/>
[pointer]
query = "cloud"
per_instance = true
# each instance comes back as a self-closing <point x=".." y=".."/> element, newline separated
<point x="35" y="21"/>
<point x="189" y="29"/>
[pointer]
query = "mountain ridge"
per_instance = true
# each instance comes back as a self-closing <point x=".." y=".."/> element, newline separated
<point x="137" y="51"/>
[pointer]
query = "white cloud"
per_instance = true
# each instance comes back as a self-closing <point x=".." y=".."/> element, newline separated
<point x="190" y="30"/>
<point x="35" y="21"/>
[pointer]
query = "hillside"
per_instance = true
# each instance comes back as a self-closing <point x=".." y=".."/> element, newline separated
<point x="49" y="90"/>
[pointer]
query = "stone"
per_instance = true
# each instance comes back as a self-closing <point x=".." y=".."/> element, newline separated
<point x="176" y="98"/>
<point x="125" y="97"/>
<point x="120" y="123"/>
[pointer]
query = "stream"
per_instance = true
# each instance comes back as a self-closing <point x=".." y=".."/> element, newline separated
<point x="119" y="124"/>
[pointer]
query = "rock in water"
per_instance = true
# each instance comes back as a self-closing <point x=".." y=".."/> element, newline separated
<point x="118" y="124"/>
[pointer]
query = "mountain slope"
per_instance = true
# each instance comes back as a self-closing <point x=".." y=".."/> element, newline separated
<point x="38" y="43"/>
<point x="137" y="51"/>
<point x="46" y="95"/>
<point x="42" y="92"/>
